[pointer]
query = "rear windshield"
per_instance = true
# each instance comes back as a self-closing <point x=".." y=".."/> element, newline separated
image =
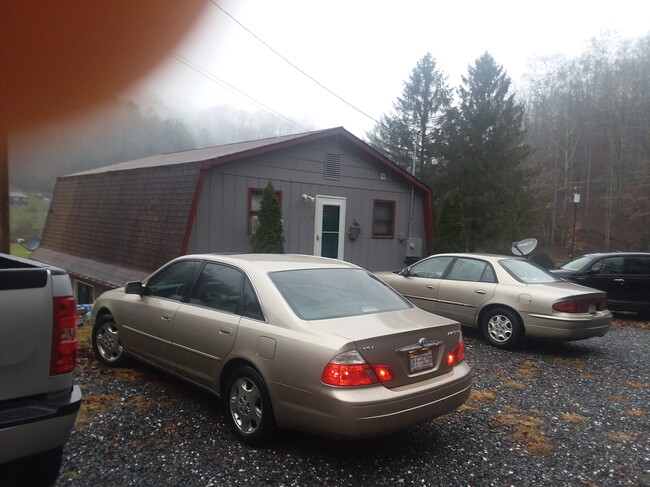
<point x="318" y="294"/>
<point x="527" y="272"/>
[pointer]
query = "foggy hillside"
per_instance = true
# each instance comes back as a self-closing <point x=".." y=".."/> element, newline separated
<point x="126" y="130"/>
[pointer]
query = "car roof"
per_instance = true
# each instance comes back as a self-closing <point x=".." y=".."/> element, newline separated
<point x="274" y="262"/>
<point x="490" y="257"/>
<point x="613" y="254"/>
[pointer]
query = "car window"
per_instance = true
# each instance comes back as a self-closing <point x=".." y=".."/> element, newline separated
<point x="577" y="264"/>
<point x="173" y="281"/>
<point x="465" y="269"/>
<point x="219" y="287"/>
<point x="608" y="265"/>
<point x="527" y="272"/>
<point x="637" y="265"/>
<point x="250" y="305"/>
<point x="317" y="294"/>
<point x="433" y="267"/>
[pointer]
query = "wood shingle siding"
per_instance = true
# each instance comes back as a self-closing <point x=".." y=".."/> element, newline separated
<point x="132" y="219"/>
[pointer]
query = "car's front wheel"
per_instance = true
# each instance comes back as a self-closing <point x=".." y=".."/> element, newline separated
<point x="250" y="414"/>
<point x="106" y="341"/>
<point x="502" y="328"/>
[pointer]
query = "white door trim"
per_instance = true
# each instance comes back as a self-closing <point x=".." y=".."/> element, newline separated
<point x="322" y="201"/>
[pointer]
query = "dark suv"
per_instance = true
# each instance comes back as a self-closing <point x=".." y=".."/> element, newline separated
<point x="625" y="276"/>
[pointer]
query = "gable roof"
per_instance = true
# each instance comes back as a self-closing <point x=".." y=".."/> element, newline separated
<point x="96" y="216"/>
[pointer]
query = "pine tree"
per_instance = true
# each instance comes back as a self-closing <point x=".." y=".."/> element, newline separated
<point x="451" y="226"/>
<point x="268" y="237"/>
<point x="484" y="157"/>
<point x="416" y="116"/>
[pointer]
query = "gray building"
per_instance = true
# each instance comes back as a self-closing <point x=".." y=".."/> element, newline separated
<point x="339" y="197"/>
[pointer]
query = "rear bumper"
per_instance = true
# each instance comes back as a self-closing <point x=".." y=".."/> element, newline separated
<point x="364" y="412"/>
<point x="567" y="326"/>
<point x="36" y="425"/>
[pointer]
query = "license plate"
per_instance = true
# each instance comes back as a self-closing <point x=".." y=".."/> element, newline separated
<point x="421" y="361"/>
<point x="592" y="308"/>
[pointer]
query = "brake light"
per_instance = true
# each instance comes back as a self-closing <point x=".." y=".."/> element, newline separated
<point x="351" y="369"/>
<point x="584" y="305"/>
<point x="457" y="354"/>
<point x="64" y="336"/>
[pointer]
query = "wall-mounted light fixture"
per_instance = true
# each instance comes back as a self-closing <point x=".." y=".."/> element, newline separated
<point x="306" y="197"/>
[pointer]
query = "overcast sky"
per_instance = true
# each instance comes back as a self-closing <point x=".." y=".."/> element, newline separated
<point x="364" y="50"/>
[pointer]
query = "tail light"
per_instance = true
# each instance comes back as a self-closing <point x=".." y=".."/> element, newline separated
<point x="351" y="369"/>
<point x="64" y="336"/>
<point x="581" y="305"/>
<point x="457" y="354"/>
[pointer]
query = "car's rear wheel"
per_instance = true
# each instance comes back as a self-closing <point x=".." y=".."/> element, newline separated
<point x="250" y="414"/>
<point x="502" y="328"/>
<point x="106" y="341"/>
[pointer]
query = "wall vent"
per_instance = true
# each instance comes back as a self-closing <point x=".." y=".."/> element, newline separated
<point x="333" y="166"/>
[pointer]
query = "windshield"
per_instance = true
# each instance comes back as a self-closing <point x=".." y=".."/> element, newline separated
<point x="527" y="272"/>
<point x="318" y="294"/>
<point x="577" y="264"/>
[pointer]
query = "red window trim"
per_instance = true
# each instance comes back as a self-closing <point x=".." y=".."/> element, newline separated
<point x="392" y="221"/>
<point x="252" y="213"/>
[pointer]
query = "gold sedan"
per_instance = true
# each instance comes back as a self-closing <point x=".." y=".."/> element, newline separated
<point x="292" y="341"/>
<point x="507" y="298"/>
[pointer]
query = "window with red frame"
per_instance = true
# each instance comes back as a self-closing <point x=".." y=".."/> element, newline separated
<point x="254" y="202"/>
<point x="383" y="219"/>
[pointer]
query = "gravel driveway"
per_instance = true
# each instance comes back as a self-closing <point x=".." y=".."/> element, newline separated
<point x="563" y="414"/>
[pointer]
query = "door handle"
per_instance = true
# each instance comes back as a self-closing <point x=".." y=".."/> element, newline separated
<point x="430" y="286"/>
<point x="166" y="317"/>
<point x="620" y="281"/>
<point x="479" y="291"/>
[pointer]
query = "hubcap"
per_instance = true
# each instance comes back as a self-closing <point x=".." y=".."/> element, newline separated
<point x="108" y="342"/>
<point x="500" y="328"/>
<point x="246" y="405"/>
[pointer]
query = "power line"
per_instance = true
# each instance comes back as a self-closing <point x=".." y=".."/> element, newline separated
<point x="321" y="85"/>
<point x="232" y="89"/>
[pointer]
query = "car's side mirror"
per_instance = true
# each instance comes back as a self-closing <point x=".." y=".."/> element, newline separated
<point x="135" y="287"/>
<point x="405" y="272"/>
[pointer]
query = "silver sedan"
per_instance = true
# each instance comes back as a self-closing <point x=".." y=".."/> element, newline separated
<point x="292" y="341"/>
<point x="508" y="298"/>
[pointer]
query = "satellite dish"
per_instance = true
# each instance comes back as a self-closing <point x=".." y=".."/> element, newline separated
<point x="524" y="247"/>
<point x="32" y="244"/>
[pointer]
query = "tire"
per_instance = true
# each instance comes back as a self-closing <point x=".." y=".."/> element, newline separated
<point x="40" y="470"/>
<point x="502" y="328"/>
<point x="249" y="414"/>
<point x="106" y="341"/>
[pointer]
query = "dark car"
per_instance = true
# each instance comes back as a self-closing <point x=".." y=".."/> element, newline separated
<point x="625" y="276"/>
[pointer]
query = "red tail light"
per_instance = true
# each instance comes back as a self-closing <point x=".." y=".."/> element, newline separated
<point x="351" y="369"/>
<point x="456" y="355"/>
<point x="64" y="336"/>
<point x="581" y="305"/>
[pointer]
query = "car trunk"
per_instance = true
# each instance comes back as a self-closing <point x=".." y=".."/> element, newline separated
<point x="412" y="342"/>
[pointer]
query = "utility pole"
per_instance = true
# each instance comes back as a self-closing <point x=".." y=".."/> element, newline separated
<point x="4" y="190"/>
<point x="576" y="200"/>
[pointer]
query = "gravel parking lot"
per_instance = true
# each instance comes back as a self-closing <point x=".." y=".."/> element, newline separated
<point x="563" y="414"/>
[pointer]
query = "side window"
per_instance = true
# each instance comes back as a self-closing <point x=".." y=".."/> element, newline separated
<point x="637" y="265"/>
<point x="431" y="268"/>
<point x="250" y="306"/>
<point x="467" y="270"/>
<point x="173" y="282"/>
<point x="218" y="287"/>
<point x="488" y="274"/>
<point x="609" y="265"/>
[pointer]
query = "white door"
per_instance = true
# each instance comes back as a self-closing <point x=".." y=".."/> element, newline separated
<point x="329" y="227"/>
